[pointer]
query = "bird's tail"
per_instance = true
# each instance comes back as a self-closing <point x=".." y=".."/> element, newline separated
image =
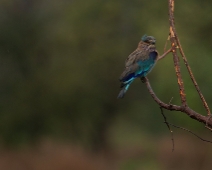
<point x="124" y="89"/>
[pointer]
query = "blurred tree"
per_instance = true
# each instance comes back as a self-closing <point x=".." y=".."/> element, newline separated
<point x="60" y="63"/>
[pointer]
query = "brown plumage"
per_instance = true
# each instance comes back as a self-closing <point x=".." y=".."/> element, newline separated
<point x="139" y="63"/>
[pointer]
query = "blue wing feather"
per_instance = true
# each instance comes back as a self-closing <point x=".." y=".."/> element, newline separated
<point x="143" y="69"/>
<point x="138" y="64"/>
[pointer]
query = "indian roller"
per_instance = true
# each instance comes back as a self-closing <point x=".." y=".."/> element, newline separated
<point x="139" y="63"/>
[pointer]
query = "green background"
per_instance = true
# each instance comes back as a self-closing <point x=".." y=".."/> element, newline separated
<point x="59" y="67"/>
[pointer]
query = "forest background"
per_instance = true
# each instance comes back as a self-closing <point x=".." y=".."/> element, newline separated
<point x="59" y="67"/>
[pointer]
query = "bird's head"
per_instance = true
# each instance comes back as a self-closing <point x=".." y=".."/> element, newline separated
<point x="148" y="39"/>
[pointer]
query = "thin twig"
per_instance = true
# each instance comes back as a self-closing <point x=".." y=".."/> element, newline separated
<point x="192" y="76"/>
<point x="166" y="43"/>
<point x="170" y="100"/>
<point x="167" y="124"/>
<point x="164" y="54"/>
<point x="190" y="132"/>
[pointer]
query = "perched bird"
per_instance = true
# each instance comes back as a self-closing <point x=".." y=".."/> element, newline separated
<point x="139" y="63"/>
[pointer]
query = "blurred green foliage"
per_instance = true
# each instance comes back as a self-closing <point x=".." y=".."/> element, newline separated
<point x="60" y="62"/>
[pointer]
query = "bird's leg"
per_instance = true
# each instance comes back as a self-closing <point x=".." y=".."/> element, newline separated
<point x="143" y="79"/>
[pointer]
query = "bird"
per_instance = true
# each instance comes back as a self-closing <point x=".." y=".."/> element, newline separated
<point x="139" y="63"/>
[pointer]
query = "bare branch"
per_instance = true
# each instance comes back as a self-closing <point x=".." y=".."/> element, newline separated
<point x="174" y="52"/>
<point x="192" y="77"/>
<point x="176" y="42"/>
<point x="165" y="53"/>
<point x="191" y="113"/>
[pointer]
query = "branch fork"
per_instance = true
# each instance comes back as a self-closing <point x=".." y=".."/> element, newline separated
<point x="175" y="47"/>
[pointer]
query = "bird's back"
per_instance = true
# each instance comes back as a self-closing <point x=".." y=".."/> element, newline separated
<point x="139" y="60"/>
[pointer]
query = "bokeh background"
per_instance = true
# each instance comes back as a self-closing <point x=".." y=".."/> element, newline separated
<point x="59" y="67"/>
